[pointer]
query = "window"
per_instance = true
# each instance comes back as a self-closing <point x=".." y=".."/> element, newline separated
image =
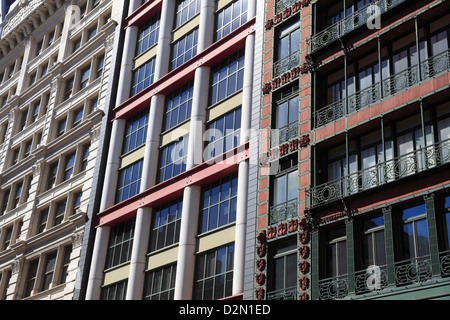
<point x="288" y="40"/>
<point x="61" y="127"/>
<point x="68" y="88"/>
<point x="160" y="283"/>
<point x="23" y="119"/>
<point x="77" y="117"/>
<point x="148" y="35"/>
<point x="219" y="204"/>
<point x="214" y="274"/>
<point x="31" y="277"/>
<point x="166" y="225"/>
<point x="27" y="148"/>
<point x="18" y="194"/>
<point x="76" y="44"/>
<point x="76" y="202"/>
<point x="227" y="77"/>
<point x="372" y="243"/>
<point x="143" y="77"/>
<point x="42" y="223"/>
<point x="223" y="134"/>
<point x="93" y="104"/>
<point x="178" y="106"/>
<point x="285" y="190"/>
<point x="286" y="116"/>
<point x="283" y="266"/>
<point x="36" y="108"/>
<point x="184" y="49"/>
<point x="32" y="78"/>
<point x="39" y="47"/>
<point x="84" y="78"/>
<point x="230" y="18"/>
<point x="15" y="156"/>
<point x="116" y="291"/>
<point x="173" y="159"/>
<point x="336" y="253"/>
<point x="120" y="243"/>
<point x="51" y="180"/>
<point x="100" y="66"/>
<point x="60" y="210"/>
<point x="5" y="198"/>
<point x="65" y="264"/>
<point x="69" y="166"/>
<point x="136" y="131"/>
<point x="129" y="181"/>
<point x="8" y="237"/>
<point x="49" y="270"/>
<point x="91" y="33"/>
<point x="414" y="237"/>
<point x="85" y="157"/>
<point x="186" y="9"/>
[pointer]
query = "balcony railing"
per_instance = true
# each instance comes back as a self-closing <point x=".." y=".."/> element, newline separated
<point x="283" y="212"/>
<point x="350" y="23"/>
<point x="283" y="294"/>
<point x="407" y="272"/>
<point x="280" y="5"/>
<point x="385" y="88"/>
<point x="286" y="64"/>
<point x="380" y="174"/>
<point x="284" y="134"/>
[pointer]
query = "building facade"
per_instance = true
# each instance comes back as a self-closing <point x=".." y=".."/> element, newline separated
<point x="354" y="179"/>
<point x="55" y="63"/>
<point x="172" y="223"/>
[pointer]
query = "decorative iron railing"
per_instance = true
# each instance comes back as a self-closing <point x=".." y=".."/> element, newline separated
<point x="286" y="64"/>
<point x="283" y="212"/>
<point x="407" y="272"/>
<point x="283" y="294"/>
<point x="350" y="23"/>
<point x="386" y="88"/>
<point x="284" y="134"/>
<point x="380" y="174"/>
<point x="281" y="5"/>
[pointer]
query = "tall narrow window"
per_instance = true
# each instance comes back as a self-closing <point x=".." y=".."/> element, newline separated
<point x="336" y="253"/>
<point x="60" y="210"/>
<point x="65" y="264"/>
<point x="51" y="179"/>
<point x="69" y="166"/>
<point x="31" y="277"/>
<point x="18" y="194"/>
<point x="286" y="116"/>
<point x="68" y="88"/>
<point x="5" y="199"/>
<point x="415" y="241"/>
<point x="372" y="243"/>
<point x="288" y="47"/>
<point x="85" y="157"/>
<point x="84" y="78"/>
<point x="100" y="66"/>
<point x="49" y="270"/>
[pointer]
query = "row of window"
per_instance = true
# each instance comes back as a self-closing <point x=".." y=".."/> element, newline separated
<point x="218" y="209"/>
<point x="213" y="279"/>
<point x="227" y="20"/>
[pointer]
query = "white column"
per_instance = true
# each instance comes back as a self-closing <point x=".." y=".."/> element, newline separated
<point x="138" y="259"/>
<point x="184" y="280"/>
<point x="243" y="171"/>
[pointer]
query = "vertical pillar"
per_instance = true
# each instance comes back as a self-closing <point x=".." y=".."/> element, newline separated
<point x="98" y="263"/>
<point x="243" y="170"/>
<point x="432" y="234"/>
<point x="136" y="277"/>
<point x="389" y="244"/>
<point x="191" y="197"/>
<point x="315" y="293"/>
<point x="350" y="255"/>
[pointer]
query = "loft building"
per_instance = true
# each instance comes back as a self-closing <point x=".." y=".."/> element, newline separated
<point x="175" y="206"/>
<point x="354" y="179"/>
<point x="55" y="65"/>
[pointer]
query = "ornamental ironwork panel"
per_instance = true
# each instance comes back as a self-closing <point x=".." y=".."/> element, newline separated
<point x="350" y="23"/>
<point x="412" y="271"/>
<point x="283" y="212"/>
<point x="286" y="64"/>
<point x="284" y="134"/>
<point x="445" y="263"/>
<point x="283" y="294"/>
<point x="281" y="5"/>
<point x="380" y="174"/>
<point x="370" y="280"/>
<point x="333" y="288"/>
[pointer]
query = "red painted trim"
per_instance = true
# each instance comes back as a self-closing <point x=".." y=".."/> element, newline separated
<point x="184" y="73"/>
<point x="143" y="13"/>
<point x="200" y="175"/>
